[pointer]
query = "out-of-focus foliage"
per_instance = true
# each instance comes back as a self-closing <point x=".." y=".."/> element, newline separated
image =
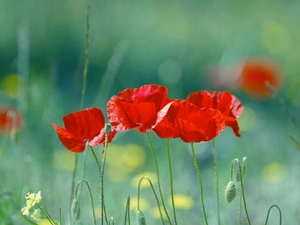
<point x="174" y="39"/>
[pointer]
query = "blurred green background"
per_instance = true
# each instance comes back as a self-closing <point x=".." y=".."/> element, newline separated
<point x="172" y="43"/>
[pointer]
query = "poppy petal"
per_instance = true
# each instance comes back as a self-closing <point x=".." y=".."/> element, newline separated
<point x="225" y="102"/>
<point x="100" y="139"/>
<point x="71" y="142"/>
<point x="136" y="107"/>
<point x="85" y="124"/>
<point x="256" y="73"/>
<point x="124" y="116"/>
<point x="10" y="118"/>
<point x="189" y="122"/>
<point x="147" y="93"/>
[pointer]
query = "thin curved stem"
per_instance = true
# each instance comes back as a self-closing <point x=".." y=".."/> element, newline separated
<point x="171" y="181"/>
<point x="280" y="214"/>
<point x="60" y="216"/>
<point x="91" y="197"/>
<point x="86" y="57"/>
<point x="103" y="209"/>
<point x="97" y="161"/>
<point x="46" y="214"/>
<point x="242" y="190"/>
<point x="217" y="180"/>
<point x="200" y="183"/>
<point x="101" y="170"/>
<point x="155" y="195"/>
<point x="84" y="79"/>
<point x="73" y="183"/>
<point x="158" y="177"/>
<point x="127" y="211"/>
<point x="83" y="170"/>
<point x="240" y="209"/>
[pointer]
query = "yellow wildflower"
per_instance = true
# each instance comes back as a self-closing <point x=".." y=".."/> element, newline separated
<point x="36" y="215"/>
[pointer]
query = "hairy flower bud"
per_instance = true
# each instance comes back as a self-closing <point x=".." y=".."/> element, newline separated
<point x="140" y="218"/>
<point x="76" y="209"/>
<point x="230" y="192"/>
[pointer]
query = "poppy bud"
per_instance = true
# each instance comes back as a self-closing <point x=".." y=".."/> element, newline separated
<point x="140" y="218"/>
<point x="107" y="128"/>
<point x="230" y="192"/>
<point x="76" y="209"/>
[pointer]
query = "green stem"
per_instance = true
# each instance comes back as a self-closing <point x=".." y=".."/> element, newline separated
<point x="86" y="57"/>
<point x="91" y="197"/>
<point x="60" y="217"/>
<point x="171" y="180"/>
<point x="280" y="214"/>
<point x="155" y="195"/>
<point x="85" y="71"/>
<point x="83" y="168"/>
<point x="97" y="161"/>
<point x="45" y="212"/>
<point x="103" y="210"/>
<point x="73" y="184"/>
<point x="200" y="183"/>
<point x="101" y="171"/>
<point x="240" y="209"/>
<point x="242" y="190"/>
<point x="217" y="179"/>
<point x="127" y="211"/>
<point x="158" y="177"/>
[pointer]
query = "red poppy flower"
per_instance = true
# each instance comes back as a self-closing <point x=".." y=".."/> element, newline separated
<point x="187" y="121"/>
<point x="137" y="107"/>
<point x="255" y="75"/>
<point x="10" y="118"/>
<point x="85" y="126"/>
<point x="225" y="102"/>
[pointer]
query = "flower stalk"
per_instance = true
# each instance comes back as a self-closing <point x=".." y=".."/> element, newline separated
<point x="200" y="184"/>
<point x="158" y="178"/>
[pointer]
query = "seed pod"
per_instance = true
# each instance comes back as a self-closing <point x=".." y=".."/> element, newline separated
<point x="75" y="209"/>
<point x="140" y="218"/>
<point x="230" y="192"/>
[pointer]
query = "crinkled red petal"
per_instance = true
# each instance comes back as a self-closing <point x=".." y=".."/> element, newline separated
<point x="136" y="107"/>
<point x="189" y="122"/>
<point x="225" y="102"/>
<point x="124" y="116"/>
<point x="100" y="139"/>
<point x="85" y="124"/>
<point x="147" y="93"/>
<point x="71" y="142"/>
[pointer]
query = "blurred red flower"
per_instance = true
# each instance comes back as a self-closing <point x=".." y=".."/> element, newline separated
<point x="83" y="127"/>
<point x="137" y="107"/>
<point x="255" y="74"/>
<point x="225" y="102"/>
<point x="187" y="121"/>
<point x="10" y="119"/>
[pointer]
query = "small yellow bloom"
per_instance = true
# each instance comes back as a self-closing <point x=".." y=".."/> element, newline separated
<point x="36" y="215"/>
<point x="25" y="211"/>
<point x="38" y="197"/>
<point x="32" y="199"/>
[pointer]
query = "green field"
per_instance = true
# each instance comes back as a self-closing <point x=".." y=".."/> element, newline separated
<point x="176" y="44"/>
